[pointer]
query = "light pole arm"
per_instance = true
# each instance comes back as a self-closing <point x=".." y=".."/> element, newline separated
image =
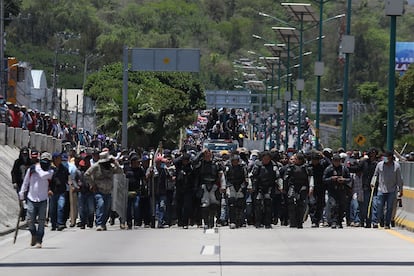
<point x="275" y="18"/>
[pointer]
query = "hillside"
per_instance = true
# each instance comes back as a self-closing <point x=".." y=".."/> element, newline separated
<point x="66" y="35"/>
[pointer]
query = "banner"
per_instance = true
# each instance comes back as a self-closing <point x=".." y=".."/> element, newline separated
<point x="404" y="56"/>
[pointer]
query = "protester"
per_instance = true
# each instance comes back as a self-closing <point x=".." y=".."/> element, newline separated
<point x="390" y="182"/>
<point x="99" y="177"/>
<point x="36" y="184"/>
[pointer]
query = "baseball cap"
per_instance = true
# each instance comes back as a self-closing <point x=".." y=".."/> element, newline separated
<point x="34" y="153"/>
<point x="105" y="157"/>
<point x="65" y="156"/>
<point x="46" y="156"/>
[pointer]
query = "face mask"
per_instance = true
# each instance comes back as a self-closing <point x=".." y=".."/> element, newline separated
<point x="66" y="164"/>
<point x="385" y="159"/>
<point x="45" y="165"/>
<point x="25" y="158"/>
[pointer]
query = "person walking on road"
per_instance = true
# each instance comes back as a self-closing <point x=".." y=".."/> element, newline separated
<point x="265" y="178"/>
<point x="36" y="184"/>
<point x="100" y="179"/>
<point x="369" y="204"/>
<point x="18" y="171"/>
<point x="390" y="182"/>
<point x="58" y="187"/>
<point x="336" y="177"/>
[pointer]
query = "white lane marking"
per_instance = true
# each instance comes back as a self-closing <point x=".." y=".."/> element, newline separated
<point x="209" y="250"/>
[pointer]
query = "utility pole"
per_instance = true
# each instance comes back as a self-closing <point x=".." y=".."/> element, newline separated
<point x="2" y="75"/>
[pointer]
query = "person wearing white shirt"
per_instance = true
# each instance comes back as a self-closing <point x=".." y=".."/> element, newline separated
<point x="36" y="184"/>
<point x="390" y="183"/>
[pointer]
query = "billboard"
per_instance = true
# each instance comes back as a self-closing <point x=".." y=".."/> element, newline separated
<point x="404" y="56"/>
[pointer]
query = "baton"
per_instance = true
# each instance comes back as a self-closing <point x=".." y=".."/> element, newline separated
<point x="18" y="222"/>
<point x="374" y="180"/>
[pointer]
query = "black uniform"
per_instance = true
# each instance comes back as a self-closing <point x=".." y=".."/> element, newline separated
<point x="337" y="192"/>
<point x="264" y="179"/>
<point x="367" y="167"/>
<point x="135" y="176"/>
<point x="184" y="192"/>
<point x="236" y="176"/>
<point x="297" y="177"/>
<point x="208" y="176"/>
<point x="317" y="204"/>
<point x="18" y="172"/>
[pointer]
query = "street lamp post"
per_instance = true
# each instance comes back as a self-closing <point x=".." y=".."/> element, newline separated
<point x="319" y="69"/>
<point x="289" y="35"/>
<point x="319" y="73"/>
<point x="2" y="75"/>
<point x="346" y="78"/>
<point x="301" y="12"/>
<point x="393" y="9"/>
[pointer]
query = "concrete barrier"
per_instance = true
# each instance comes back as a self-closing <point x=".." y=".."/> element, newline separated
<point x="32" y="140"/>
<point x="18" y="137"/>
<point x="3" y="133"/>
<point x="50" y="145"/>
<point x="43" y="143"/>
<point x="58" y="145"/>
<point x="18" y="132"/>
<point x="38" y="141"/>
<point x="10" y="136"/>
<point x="25" y="138"/>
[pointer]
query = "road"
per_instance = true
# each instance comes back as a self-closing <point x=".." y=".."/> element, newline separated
<point x="246" y="251"/>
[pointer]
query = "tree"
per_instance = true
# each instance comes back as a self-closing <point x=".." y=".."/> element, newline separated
<point x="159" y="104"/>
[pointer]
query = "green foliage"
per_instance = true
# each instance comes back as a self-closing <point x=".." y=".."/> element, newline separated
<point x="222" y="29"/>
<point x="159" y="104"/>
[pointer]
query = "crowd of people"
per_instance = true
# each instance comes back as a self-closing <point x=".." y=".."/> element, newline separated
<point x="195" y="187"/>
<point x="205" y="189"/>
<point x="237" y="124"/>
<point x="20" y="116"/>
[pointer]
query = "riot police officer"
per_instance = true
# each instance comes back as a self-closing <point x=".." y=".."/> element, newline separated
<point x="236" y="181"/>
<point x="317" y="194"/>
<point x="299" y="180"/>
<point x="336" y="176"/>
<point x="184" y="189"/>
<point x="265" y="178"/>
<point x="211" y="184"/>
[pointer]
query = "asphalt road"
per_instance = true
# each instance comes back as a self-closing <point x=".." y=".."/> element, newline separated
<point x="246" y="251"/>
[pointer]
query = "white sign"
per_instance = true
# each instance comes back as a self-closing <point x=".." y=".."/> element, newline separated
<point x="326" y="108"/>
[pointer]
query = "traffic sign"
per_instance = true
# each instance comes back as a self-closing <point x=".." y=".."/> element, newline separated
<point x="360" y="140"/>
<point x="328" y="108"/>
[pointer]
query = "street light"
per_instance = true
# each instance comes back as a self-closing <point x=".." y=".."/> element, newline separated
<point x="288" y="34"/>
<point x="348" y="45"/>
<point x="2" y="75"/>
<point x="319" y="66"/>
<point x="301" y="12"/>
<point x="393" y="9"/>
